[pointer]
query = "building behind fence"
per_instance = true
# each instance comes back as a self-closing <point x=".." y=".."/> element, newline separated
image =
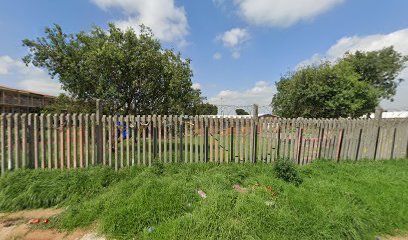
<point x="19" y="101"/>
<point x="82" y="140"/>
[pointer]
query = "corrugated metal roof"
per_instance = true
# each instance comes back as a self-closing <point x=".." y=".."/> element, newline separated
<point x="25" y="91"/>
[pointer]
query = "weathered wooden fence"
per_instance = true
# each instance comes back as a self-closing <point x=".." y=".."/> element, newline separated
<point x="80" y="140"/>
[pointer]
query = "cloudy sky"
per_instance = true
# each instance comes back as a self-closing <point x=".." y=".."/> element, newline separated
<point x="239" y="48"/>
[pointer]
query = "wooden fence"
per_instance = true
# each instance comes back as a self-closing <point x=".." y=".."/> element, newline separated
<point x="81" y="140"/>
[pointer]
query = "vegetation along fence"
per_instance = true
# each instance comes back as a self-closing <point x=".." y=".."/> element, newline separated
<point x="80" y="140"/>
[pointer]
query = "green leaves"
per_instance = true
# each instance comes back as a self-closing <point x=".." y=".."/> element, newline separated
<point x="351" y="87"/>
<point x="130" y="72"/>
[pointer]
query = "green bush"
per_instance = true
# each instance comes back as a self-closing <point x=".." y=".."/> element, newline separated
<point x="287" y="171"/>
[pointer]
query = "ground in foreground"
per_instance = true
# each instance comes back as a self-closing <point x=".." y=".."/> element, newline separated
<point x="350" y="200"/>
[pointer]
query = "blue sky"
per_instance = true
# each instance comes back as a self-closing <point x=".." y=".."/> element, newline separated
<point x="239" y="48"/>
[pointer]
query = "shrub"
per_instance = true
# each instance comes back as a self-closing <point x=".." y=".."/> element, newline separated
<point x="287" y="171"/>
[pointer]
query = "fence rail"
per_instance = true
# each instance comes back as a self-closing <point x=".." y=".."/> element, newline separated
<point x="81" y="140"/>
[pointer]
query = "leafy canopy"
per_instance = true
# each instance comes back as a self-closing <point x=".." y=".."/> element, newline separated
<point x="351" y="87"/>
<point x="379" y="68"/>
<point x="241" y="111"/>
<point x="66" y="104"/>
<point x="129" y="72"/>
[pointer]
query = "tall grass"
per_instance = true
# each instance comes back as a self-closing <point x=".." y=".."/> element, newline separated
<point x="350" y="200"/>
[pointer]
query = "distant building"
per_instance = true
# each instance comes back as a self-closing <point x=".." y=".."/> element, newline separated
<point x="391" y="114"/>
<point x="19" y="101"/>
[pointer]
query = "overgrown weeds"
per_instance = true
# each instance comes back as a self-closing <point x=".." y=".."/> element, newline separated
<point x="348" y="200"/>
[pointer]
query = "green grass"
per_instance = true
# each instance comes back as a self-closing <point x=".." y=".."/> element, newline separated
<point x="349" y="200"/>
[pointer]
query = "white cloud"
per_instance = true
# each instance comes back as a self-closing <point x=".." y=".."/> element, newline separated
<point x="216" y="56"/>
<point x="6" y="62"/>
<point x="196" y="86"/>
<point x="234" y="39"/>
<point x="15" y="73"/>
<point x="168" y="21"/>
<point x="282" y="13"/>
<point x="260" y="94"/>
<point x="398" y="39"/>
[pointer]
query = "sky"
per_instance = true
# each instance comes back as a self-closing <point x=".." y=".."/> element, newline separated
<point x="238" y="48"/>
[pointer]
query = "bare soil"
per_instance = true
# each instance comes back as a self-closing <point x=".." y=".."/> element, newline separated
<point x="18" y="225"/>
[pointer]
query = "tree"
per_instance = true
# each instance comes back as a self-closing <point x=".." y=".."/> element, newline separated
<point x="66" y="104"/>
<point x="350" y="87"/>
<point x="241" y="111"/>
<point x="379" y="68"/>
<point x="129" y="72"/>
<point x="206" y="109"/>
<point x="324" y="91"/>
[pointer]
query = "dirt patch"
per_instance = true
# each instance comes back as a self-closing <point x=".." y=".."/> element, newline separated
<point x="38" y="213"/>
<point x="396" y="238"/>
<point x="239" y="188"/>
<point x="44" y="235"/>
<point x="17" y="226"/>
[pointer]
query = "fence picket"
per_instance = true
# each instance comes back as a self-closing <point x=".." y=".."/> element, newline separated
<point x="81" y="140"/>
<point x="16" y="141"/>
<point x="74" y="139"/>
<point x="103" y="139"/>
<point x="121" y="132"/>
<point x="64" y="141"/>
<point x="115" y="140"/>
<point x="86" y="140"/>
<point x="93" y="139"/>
<point x="2" y="143"/>
<point x="49" y="141"/>
<point x="110" y="140"/>
<point x="24" y="140"/>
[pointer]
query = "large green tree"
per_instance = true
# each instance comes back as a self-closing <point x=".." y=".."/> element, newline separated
<point x="378" y="68"/>
<point x="129" y="72"/>
<point x="324" y="91"/>
<point x="351" y="87"/>
<point x="206" y="109"/>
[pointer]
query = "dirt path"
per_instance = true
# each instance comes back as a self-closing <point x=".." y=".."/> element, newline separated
<point x="17" y="226"/>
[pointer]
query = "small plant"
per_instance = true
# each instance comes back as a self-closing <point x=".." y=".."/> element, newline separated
<point x="158" y="168"/>
<point x="287" y="171"/>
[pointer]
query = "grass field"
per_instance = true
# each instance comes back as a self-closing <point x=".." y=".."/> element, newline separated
<point x="348" y="200"/>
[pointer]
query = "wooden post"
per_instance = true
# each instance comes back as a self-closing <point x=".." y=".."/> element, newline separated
<point x="394" y="134"/>
<point x="378" y="116"/>
<point x="68" y="139"/>
<point x="299" y="146"/>
<point x="2" y="143"/>
<point x="103" y="140"/>
<point x="24" y="140"/>
<point x="359" y="143"/>
<point x="127" y="120"/>
<point x="16" y="140"/>
<point x="49" y="141"/>
<point x="98" y="136"/>
<point x="206" y="140"/>
<point x="339" y="144"/>
<point x="180" y="122"/>
<point x="55" y="143"/>
<point x="30" y="142"/>
<point x="86" y="140"/>
<point x="74" y="139"/>
<point x="62" y="140"/>
<point x="81" y="140"/>
<point x="35" y="140"/>
<point x="254" y="129"/>
<point x="110" y="147"/>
